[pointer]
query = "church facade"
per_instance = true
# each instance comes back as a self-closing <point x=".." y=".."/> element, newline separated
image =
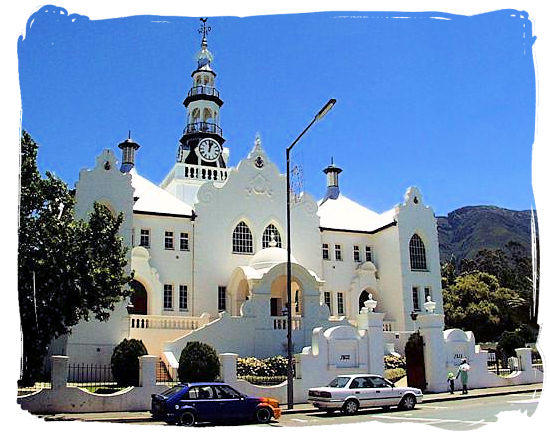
<point x="208" y="247"/>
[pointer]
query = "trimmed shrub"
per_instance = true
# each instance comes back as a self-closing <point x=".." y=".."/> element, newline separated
<point x="198" y="362"/>
<point x="125" y="362"/>
<point x="394" y="374"/>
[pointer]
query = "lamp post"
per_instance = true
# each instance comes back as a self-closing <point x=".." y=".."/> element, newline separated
<point x="290" y="376"/>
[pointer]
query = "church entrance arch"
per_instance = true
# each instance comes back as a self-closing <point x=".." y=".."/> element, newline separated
<point x="279" y="297"/>
<point x="138" y="298"/>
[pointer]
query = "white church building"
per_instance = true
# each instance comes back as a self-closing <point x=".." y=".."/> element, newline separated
<point x="208" y="248"/>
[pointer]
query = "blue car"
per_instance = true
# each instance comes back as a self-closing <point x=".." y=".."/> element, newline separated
<point x="189" y="403"/>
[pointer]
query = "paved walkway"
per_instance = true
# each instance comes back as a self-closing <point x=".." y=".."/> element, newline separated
<point x="144" y="416"/>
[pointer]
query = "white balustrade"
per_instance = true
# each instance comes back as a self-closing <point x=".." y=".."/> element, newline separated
<point x="280" y="322"/>
<point x="166" y="322"/>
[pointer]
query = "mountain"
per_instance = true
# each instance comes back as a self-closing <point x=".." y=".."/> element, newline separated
<point x="467" y="230"/>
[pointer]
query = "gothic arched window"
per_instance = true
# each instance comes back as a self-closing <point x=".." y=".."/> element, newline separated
<point x="269" y="233"/>
<point x="242" y="239"/>
<point x="417" y="253"/>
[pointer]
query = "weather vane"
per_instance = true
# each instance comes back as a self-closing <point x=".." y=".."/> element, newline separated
<point x="204" y="28"/>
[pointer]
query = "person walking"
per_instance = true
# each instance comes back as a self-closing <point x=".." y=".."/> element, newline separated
<point x="462" y="372"/>
<point x="451" y="381"/>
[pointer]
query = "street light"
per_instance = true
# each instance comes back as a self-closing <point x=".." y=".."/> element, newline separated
<point x="289" y="375"/>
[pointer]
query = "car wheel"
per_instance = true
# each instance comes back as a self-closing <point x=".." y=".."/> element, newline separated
<point x="351" y="406"/>
<point x="408" y="402"/>
<point x="187" y="418"/>
<point x="263" y="415"/>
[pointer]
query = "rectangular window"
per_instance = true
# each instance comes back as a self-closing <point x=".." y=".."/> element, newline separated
<point x="416" y="305"/>
<point x="168" y="294"/>
<point x="133" y="237"/>
<point x="338" y="252"/>
<point x="184" y="241"/>
<point x="340" y="297"/>
<point x="144" y="239"/>
<point x="356" y="254"/>
<point x="325" y="252"/>
<point x="221" y="298"/>
<point x="427" y="293"/>
<point x="368" y="254"/>
<point x="183" y="297"/>
<point x="169" y="240"/>
<point x="327" y="300"/>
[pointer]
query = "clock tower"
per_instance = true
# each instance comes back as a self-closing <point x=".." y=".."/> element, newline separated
<point x="201" y="156"/>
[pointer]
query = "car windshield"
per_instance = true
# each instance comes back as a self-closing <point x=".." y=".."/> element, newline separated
<point x="173" y="391"/>
<point x="339" y="382"/>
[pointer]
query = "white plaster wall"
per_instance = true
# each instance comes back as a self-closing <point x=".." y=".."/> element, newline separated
<point x="173" y="266"/>
<point x="93" y="341"/>
<point x="420" y="219"/>
<point x="256" y="196"/>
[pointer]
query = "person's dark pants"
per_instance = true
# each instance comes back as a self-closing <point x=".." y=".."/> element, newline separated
<point x="464" y="389"/>
<point x="452" y="386"/>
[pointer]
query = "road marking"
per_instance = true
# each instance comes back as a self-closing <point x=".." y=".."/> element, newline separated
<point x="300" y="420"/>
<point x="525" y="401"/>
<point x="433" y="406"/>
<point x="431" y="420"/>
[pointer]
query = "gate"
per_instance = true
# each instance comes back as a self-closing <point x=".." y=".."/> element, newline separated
<point x="414" y="356"/>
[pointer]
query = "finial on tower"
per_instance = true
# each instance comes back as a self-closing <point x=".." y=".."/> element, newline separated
<point x="204" y="30"/>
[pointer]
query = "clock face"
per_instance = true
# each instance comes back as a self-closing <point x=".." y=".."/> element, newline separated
<point x="209" y="149"/>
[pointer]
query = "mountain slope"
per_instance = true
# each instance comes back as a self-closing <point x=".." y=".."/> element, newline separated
<point x="467" y="230"/>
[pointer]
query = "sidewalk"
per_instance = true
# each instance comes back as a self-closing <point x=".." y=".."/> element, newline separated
<point x="145" y="416"/>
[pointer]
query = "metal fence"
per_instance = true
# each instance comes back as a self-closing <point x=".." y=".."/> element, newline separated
<point x="27" y="390"/>
<point x="96" y="378"/>
<point x="536" y="360"/>
<point x="166" y="375"/>
<point x="498" y="363"/>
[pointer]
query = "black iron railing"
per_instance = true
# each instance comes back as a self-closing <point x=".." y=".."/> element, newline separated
<point x="203" y="127"/>
<point x="204" y="90"/>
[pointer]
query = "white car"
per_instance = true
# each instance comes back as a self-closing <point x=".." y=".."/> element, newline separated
<point x="348" y="393"/>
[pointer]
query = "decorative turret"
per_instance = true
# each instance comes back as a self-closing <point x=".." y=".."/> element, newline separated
<point x="128" y="148"/>
<point x="333" y="191"/>
<point x="202" y="140"/>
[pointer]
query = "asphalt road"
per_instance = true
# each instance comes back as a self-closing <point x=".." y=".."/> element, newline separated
<point x="465" y="414"/>
<point x="456" y="415"/>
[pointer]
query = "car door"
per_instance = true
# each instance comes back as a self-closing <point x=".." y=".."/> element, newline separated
<point x="230" y="403"/>
<point x="385" y="393"/>
<point x="361" y="388"/>
<point x="202" y="398"/>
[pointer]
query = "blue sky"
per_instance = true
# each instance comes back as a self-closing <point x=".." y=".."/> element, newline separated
<point x="446" y="103"/>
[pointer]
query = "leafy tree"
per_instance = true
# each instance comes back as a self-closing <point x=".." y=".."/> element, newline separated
<point x="68" y="269"/>
<point x="510" y="340"/>
<point x="198" y="362"/>
<point x="125" y="362"/>
<point x="476" y="302"/>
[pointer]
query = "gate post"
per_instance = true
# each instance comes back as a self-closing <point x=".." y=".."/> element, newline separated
<point x="435" y="356"/>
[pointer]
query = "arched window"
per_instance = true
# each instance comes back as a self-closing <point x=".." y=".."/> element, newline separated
<point x="242" y="239"/>
<point x="271" y="232"/>
<point x="417" y="253"/>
